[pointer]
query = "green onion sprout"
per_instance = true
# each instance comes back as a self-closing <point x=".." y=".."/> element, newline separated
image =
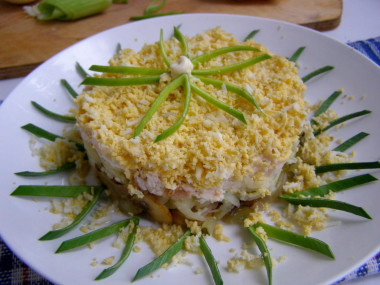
<point x="86" y="209"/>
<point x="65" y="167"/>
<point x="317" y="72"/>
<point x="124" y="255"/>
<point x="41" y="133"/>
<point x="82" y="72"/>
<point x="326" y="203"/>
<point x="335" y="186"/>
<point x="327" y="103"/>
<point x="296" y="54"/>
<point x="58" y="117"/>
<point x="163" y="258"/>
<point x="177" y="124"/>
<point x="346" y="166"/>
<point x="94" y="235"/>
<point x="210" y="55"/>
<point x="251" y="35"/>
<point x="62" y="191"/>
<point x="153" y="7"/>
<point x="264" y="252"/>
<point x="210" y="259"/>
<point x="351" y="142"/>
<point x="342" y="120"/>
<point x="295" y="239"/>
<point x="69" y="89"/>
<point x="68" y="10"/>
<point x="232" y="67"/>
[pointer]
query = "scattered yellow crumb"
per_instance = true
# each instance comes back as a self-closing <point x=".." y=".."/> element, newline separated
<point x="161" y="238"/>
<point x="261" y="232"/>
<point x="108" y="260"/>
<point x="94" y="262"/>
<point x="253" y="218"/>
<point x="116" y="244"/>
<point x="83" y="229"/>
<point x="193" y="226"/>
<point x="218" y="233"/>
<point x="136" y="249"/>
<point x="245" y="260"/>
<point x="307" y="218"/>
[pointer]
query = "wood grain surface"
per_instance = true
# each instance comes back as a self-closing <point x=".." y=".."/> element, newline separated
<point x="26" y="42"/>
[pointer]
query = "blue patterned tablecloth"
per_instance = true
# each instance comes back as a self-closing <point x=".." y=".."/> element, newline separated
<point x="14" y="271"/>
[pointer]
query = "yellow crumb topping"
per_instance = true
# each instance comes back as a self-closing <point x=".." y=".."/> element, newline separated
<point x="245" y="260"/>
<point x="218" y="233"/>
<point x="211" y="146"/>
<point x="108" y="260"/>
<point x="161" y="238"/>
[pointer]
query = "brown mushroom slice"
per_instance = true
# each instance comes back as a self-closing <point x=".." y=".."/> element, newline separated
<point x="158" y="211"/>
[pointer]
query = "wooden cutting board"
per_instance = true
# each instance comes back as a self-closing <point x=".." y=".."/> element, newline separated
<point x="26" y="42"/>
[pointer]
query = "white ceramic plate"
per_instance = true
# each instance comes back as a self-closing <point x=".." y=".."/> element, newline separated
<point x="23" y="220"/>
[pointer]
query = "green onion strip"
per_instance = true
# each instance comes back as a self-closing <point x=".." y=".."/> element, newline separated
<point x="163" y="258"/>
<point x="153" y="7"/>
<point x="232" y="88"/>
<point x="296" y="239"/>
<point x="132" y="70"/>
<point x="86" y="209"/>
<point x="175" y="127"/>
<point x="124" y="255"/>
<point x="326" y="203"/>
<point x="69" y="89"/>
<point x="180" y="37"/>
<point x="296" y="54"/>
<point x="210" y="55"/>
<point x="327" y="103"/>
<point x="82" y="72"/>
<point x="62" y="118"/>
<point x="219" y="104"/>
<point x="118" y="48"/>
<point x="317" y="72"/>
<point x="210" y="261"/>
<point x="62" y="191"/>
<point x="351" y="142"/>
<point x="69" y="9"/>
<point x="138" y="18"/>
<point x="162" y="49"/>
<point x="251" y="35"/>
<point x="342" y="120"/>
<point x="93" y="236"/>
<point x="41" y="133"/>
<point x="157" y="102"/>
<point x="335" y="186"/>
<point x="65" y="167"/>
<point x="120" y="81"/>
<point x="232" y="67"/>
<point x="346" y="166"/>
<point x="264" y="252"/>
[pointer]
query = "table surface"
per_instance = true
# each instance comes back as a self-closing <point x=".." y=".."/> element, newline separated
<point x="360" y="21"/>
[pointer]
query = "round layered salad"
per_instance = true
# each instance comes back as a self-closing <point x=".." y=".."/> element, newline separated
<point x="213" y="163"/>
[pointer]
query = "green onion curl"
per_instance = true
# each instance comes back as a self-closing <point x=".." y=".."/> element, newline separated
<point x="232" y="67"/>
<point x="219" y="104"/>
<point x="86" y="209"/>
<point x="175" y="127"/>
<point x="58" y="117"/>
<point x="157" y="102"/>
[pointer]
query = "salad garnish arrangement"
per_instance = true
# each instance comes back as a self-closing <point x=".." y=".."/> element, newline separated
<point x="182" y="74"/>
